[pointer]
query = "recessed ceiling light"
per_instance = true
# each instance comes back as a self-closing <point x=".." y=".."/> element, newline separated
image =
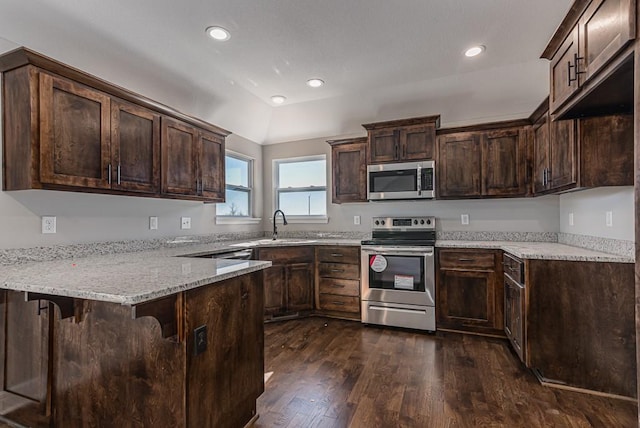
<point x="278" y="99"/>
<point x="315" y="83"/>
<point x="475" y="50"/>
<point x="218" y="33"/>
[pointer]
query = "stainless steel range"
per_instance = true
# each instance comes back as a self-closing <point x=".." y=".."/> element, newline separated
<point x="398" y="273"/>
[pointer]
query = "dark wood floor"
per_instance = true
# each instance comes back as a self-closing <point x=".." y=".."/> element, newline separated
<point x="332" y="373"/>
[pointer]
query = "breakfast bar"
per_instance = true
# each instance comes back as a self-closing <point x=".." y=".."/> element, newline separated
<point x="138" y="339"/>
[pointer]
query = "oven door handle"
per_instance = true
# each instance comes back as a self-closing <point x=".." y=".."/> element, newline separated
<point x="393" y="251"/>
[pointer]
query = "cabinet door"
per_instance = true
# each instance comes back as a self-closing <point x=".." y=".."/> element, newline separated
<point x="275" y="279"/>
<point x="383" y="146"/>
<point x="514" y="315"/>
<point x="211" y="166"/>
<point x="179" y="157"/>
<point x="466" y="299"/>
<point x="74" y="134"/>
<point x="459" y="166"/>
<point x="300" y="287"/>
<point x="417" y="142"/>
<point x="564" y="81"/>
<point x="349" y="168"/>
<point x="135" y="148"/>
<point x="605" y="28"/>
<point x="562" y="171"/>
<point x="540" y="154"/>
<point x="503" y="163"/>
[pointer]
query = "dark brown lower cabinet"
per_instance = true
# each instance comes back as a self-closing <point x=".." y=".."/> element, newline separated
<point x="581" y="324"/>
<point x="338" y="281"/>
<point x="105" y="367"/>
<point x="289" y="282"/>
<point x="514" y="304"/>
<point x="470" y="291"/>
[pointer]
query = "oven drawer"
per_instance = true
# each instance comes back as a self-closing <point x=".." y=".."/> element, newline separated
<point x="339" y="254"/>
<point x="339" y="270"/>
<point x="464" y="259"/>
<point x="345" y="287"/>
<point x="335" y="302"/>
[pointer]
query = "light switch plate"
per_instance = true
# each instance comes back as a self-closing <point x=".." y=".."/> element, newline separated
<point x="464" y="218"/>
<point x="48" y="224"/>
<point x="153" y="223"/>
<point x="185" y="223"/>
<point x="356" y="219"/>
<point x="570" y="219"/>
<point x="609" y="219"/>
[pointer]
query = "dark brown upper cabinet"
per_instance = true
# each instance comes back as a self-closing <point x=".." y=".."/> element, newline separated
<point x="64" y="129"/>
<point x="402" y="140"/>
<point x="588" y="49"/>
<point x="192" y="162"/>
<point x="482" y="161"/>
<point x="581" y="153"/>
<point x="349" y="170"/>
<point x="135" y="147"/>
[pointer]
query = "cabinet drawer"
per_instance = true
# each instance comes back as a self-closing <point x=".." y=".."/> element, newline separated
<point x="339" y="270"/>
<point x="513" y="267"/>
<point x="286" y="255"/>
<point x="335" y="302"/>
<point x="339" y="254"/>
<point x="344" y="287"/>
<point x="467" y="259"/>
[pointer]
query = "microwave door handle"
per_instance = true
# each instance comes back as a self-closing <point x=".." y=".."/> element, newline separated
<point x="419" y="179"/>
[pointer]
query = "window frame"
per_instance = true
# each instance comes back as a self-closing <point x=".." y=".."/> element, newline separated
<point x="249" y="190"/>
<point x="277" y="190"/>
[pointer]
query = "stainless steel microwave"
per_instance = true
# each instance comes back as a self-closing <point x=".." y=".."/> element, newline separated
<point x="407" y="180"/>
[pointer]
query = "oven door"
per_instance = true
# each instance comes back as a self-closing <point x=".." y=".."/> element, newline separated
<point x="398" y="275"/>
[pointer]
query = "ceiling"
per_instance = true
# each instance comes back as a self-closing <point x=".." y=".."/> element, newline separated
<point x="380" y="59"/>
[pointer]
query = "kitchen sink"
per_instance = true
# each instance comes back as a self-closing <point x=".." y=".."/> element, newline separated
<point x="285" y="241"/>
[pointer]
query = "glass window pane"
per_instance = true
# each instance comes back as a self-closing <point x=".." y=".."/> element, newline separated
<point x="302" y="174"/>
<point x="237" y="204"/>
<point x="237" y="171"/>
<point x="303" y="203"/>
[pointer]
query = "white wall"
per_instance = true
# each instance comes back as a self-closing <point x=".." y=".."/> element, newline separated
<point x="589" y="209"/>
<point x="504" y="215"/>
<point x="83" y="217"/>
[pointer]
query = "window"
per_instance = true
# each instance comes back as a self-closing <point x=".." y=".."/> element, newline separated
<point x="238" y="176"/>
<point x="301" y="186"/>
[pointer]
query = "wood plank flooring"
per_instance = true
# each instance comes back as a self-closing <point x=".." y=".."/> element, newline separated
<point x="334" y="374"/>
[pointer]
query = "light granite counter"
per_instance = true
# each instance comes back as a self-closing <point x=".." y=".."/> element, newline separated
<point x="540" y="250"/>
<point x="127" y="279"/>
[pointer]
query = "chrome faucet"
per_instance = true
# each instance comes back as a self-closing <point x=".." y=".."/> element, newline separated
<point x="275" y="228"/>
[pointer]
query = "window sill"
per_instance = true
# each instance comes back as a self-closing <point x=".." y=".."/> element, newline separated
<point x="301" y="219"/>
<point x="238" y="220"/>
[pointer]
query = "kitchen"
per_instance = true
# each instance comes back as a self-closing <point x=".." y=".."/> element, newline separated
<point x="90" y="220"/>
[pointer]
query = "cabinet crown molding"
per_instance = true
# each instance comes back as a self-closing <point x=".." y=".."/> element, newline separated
<point x="22" y="56"/>
<point x="404" y="122"/>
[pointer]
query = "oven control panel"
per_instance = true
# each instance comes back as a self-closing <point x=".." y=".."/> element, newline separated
<point x="403" y="223"/>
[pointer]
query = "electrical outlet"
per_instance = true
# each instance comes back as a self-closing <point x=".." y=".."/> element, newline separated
<point x="153" y="223"/>
<point x="609" y="218"/>
<point x="48" y="224"/>
<point x="356" y="219"/>
<point x="185" y="222"/>
<point x="570" y="219"/>
<point x="199" y="340"/>
<point x="464" y="218"/>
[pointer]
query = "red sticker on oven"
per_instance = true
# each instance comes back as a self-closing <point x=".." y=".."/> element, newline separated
<point x="377" y="263"/>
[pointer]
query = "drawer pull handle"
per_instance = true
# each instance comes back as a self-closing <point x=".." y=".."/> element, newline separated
<point x="339" y="303"/>
<point x="337" y="270"/>
<point x="465" y="260"/>
<point x="336" y="285"/>
<point x="336" y="255"/>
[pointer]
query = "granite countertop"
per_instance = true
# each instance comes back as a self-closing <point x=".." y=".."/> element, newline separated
<point x="540" y="250"/>
<point x="130" y="278"/>
<point x="127" y="278"/>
